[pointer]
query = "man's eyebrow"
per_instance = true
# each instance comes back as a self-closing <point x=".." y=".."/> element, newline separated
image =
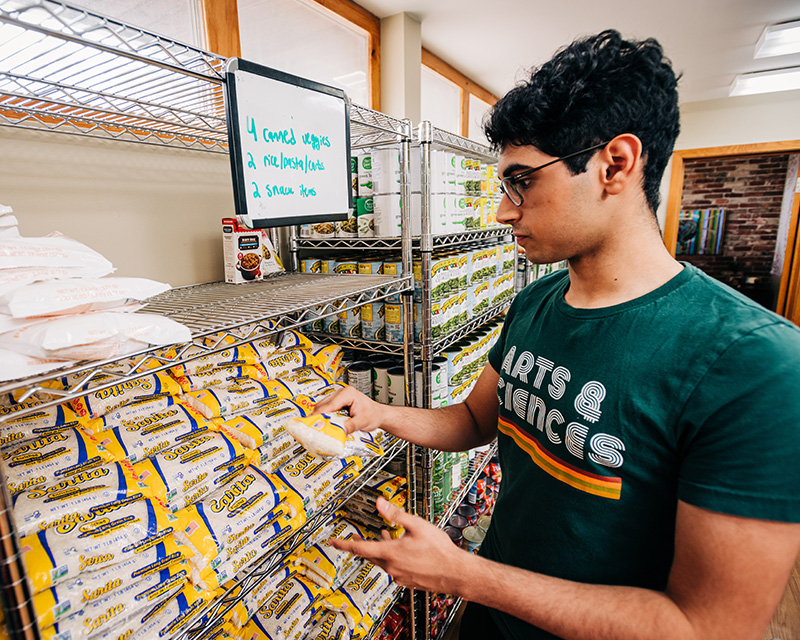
<point x="513" y="168"/>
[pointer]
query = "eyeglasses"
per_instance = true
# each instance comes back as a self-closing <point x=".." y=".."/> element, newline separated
<point x="510" y="185"/>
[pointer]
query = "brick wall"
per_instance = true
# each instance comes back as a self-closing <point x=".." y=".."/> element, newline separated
<point x="750" y="189"/>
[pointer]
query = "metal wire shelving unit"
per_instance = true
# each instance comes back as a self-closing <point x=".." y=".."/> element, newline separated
<point x="68" y="70"/>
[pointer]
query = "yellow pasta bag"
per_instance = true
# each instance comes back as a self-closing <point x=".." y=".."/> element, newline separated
<point x="185" y="473"/>
<point x="307" y="381"/>
<point x="294" y="606"/>
<point x="291" y="338"/>
<point x="149" y="387"/>
<point x="284" y="362"/>
<point x="323" y="434"/>
<point x="329" y="358"/>
<point x="139" y="410"/>
<point x="219" y="377"/>
<point x="51" y="458"/>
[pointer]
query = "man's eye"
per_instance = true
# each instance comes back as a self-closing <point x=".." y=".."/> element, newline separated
<point x="523" y="184"/>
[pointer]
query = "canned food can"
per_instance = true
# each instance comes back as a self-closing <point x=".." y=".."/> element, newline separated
<point x="455" y="535"/>
<point x="359" y="376"/>
<point x="310" y="265"/>
<point x="386" y="171"/>
<point x="350" y="323"/>
<point x="346" y="267"/>
<point x="393" y="322"/>
<point x="348" y="228"/>
<point x="396" y="386"/>
<point x="365" y="174"/>
<point x="458" y="521"/>
<point x="327" y="265"/>
<point x="370" y="267"/>
<point x="469" y="512"/>
<point x="473" y="537"/>
<point x="387" y="215"/>
<point x="380" y="380"/>
<point x="365" y="214"/>
<point x="372" y="321"/>
<point x="393" y="268"/>
<point x="483" y="523"/>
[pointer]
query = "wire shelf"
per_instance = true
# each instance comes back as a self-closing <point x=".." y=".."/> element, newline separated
<point x="66" y="69"/>
<point x="439" y="242"/>
<point x="440" y="344"/>
<point x="234" y="314"/>
<point x="214" y="612"/>
<point x="445" y="140"/>
<point x="372" y="346"/>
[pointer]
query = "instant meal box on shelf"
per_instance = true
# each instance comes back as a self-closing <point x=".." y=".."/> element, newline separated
<point x="247" y="253"/>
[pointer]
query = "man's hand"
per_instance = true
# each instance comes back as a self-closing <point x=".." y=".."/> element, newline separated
<point x="365" y="413"/>
<point x="423" y="558"/>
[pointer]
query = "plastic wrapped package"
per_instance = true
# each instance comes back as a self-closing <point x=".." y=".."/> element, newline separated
<point x="75" y="499"/>
<point x="355" y="598"/>
<point x="279" y="452"/>
<point x="284" y="362"/>
<point x="136" y="410"/>
<point x="52" y="457"/>
<point x="322" y="434"/>
<point x="259" y="426"/>
<point x="202" y="361"/>
<point x="332" y="626"/>
<point x="68" y="607"/>
<point x="103" y="401"/>
<point x="292" y="609"/>
<point x="253" y="600"/>
<point x="219" y="377"/>
<point x="135" y="440"/>
<point x="329" y="357"/>
<point x="317" y="480"/>
<point x="218" y="521"/>
<point x="15" y="365"/>
<point x="307" y="381"/>
<point x="327" y="566"/>
<point x="291" y="338"/>
<point x="244" y="395"/>
<point x="35" y="425"/>
<point x="114" y="534"/>
<point x="185" y="473"/>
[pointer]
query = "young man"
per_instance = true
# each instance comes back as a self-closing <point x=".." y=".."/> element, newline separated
<point x="646" y="415"/>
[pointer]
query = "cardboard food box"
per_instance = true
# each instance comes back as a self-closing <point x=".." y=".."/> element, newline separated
<point x="248" y="253"/>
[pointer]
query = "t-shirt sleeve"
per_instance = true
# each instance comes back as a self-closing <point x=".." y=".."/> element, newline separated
<point x="739" y="440"/>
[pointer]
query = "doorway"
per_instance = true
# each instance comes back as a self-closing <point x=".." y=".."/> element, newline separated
<point x="786" y="284"/>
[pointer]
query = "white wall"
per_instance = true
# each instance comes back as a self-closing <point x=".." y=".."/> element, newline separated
<point x="769" y="117"/>
<point x="154" y="212"/>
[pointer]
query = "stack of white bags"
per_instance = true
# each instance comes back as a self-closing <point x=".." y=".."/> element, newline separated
<point x="57" y="307"/>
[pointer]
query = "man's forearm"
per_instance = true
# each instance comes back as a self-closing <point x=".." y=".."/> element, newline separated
<point x="572" y="610"/>
<point x="450" y="428"/>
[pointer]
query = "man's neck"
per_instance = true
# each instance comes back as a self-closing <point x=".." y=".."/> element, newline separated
<point x="623" y="269"/>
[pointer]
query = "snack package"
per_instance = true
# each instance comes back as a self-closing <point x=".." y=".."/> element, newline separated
<point x="135" y="440"/>
<point x="95" y="336"/>
<point x="35" y="425"/>
<point x="73" y="501"/>
<point x="52" y="457"/>
<point x="321" y="435"/>
<point x="149" y="387"/>
<point x="219" y="377"/>
<point x="308" y="381"/>
<point x="293" y="607"/>
<point x="83" y="295"/>
<point x="65" y="607"/>
<point x="259" y="426"/>
<point x="185" y="473"/>
<point x="317" y="480"/>
<point x="217" y="521"/>
<point x="239" y="397"/>
<point x="198" y="360"/>
<point x="113" y="534"/>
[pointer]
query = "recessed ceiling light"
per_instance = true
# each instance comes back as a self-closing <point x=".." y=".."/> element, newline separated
<point x="779" y="40"/>
<point x="766" y="81"/>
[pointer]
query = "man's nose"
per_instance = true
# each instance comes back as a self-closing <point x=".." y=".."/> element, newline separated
<point x="507" y="211"/>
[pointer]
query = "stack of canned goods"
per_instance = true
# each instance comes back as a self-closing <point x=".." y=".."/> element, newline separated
<point x="465" y="360"/>
<point x="464" y="284"/>
<point x="380" y="378"/>
<point x="374" y="321"/>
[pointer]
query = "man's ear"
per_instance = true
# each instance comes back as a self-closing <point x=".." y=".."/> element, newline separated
<point x="621" y="163"/>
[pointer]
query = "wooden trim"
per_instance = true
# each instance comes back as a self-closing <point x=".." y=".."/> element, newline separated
<point x="432" y="61"/>
<point x="465" y="113"/>
<point x="676" y="181"/>
<point x="221" y="19"/>
<point x="789" y="293"/>
<point x="370" y="23"/>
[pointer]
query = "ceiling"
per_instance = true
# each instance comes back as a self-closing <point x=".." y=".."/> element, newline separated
<point x="493" y="43"/>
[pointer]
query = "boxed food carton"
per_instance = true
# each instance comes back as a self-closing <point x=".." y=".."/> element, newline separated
<point x="248" y="253"/>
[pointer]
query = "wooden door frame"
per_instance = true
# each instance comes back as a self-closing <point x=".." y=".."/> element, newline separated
<point x="789" y="282"/>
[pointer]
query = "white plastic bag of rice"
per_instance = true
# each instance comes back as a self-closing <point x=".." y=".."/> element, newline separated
<point x="149" y="387"/>
<point x="57" y="297"/>
<point x="95" y="336"/>
<point x="321" y="434"/>
<point x="36" y="424"/>
<point x="259" y="426"/>
<point x="15" y="365"/>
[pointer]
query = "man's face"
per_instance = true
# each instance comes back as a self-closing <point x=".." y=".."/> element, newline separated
<point x="557" y="219"/>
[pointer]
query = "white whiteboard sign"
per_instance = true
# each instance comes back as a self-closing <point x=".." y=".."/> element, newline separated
<point x="289" y="143"/>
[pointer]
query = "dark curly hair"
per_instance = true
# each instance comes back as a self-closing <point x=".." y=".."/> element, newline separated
<point x="591" y="91"/>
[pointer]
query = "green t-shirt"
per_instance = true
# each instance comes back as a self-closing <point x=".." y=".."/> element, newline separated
<point x="609" y="416"/>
